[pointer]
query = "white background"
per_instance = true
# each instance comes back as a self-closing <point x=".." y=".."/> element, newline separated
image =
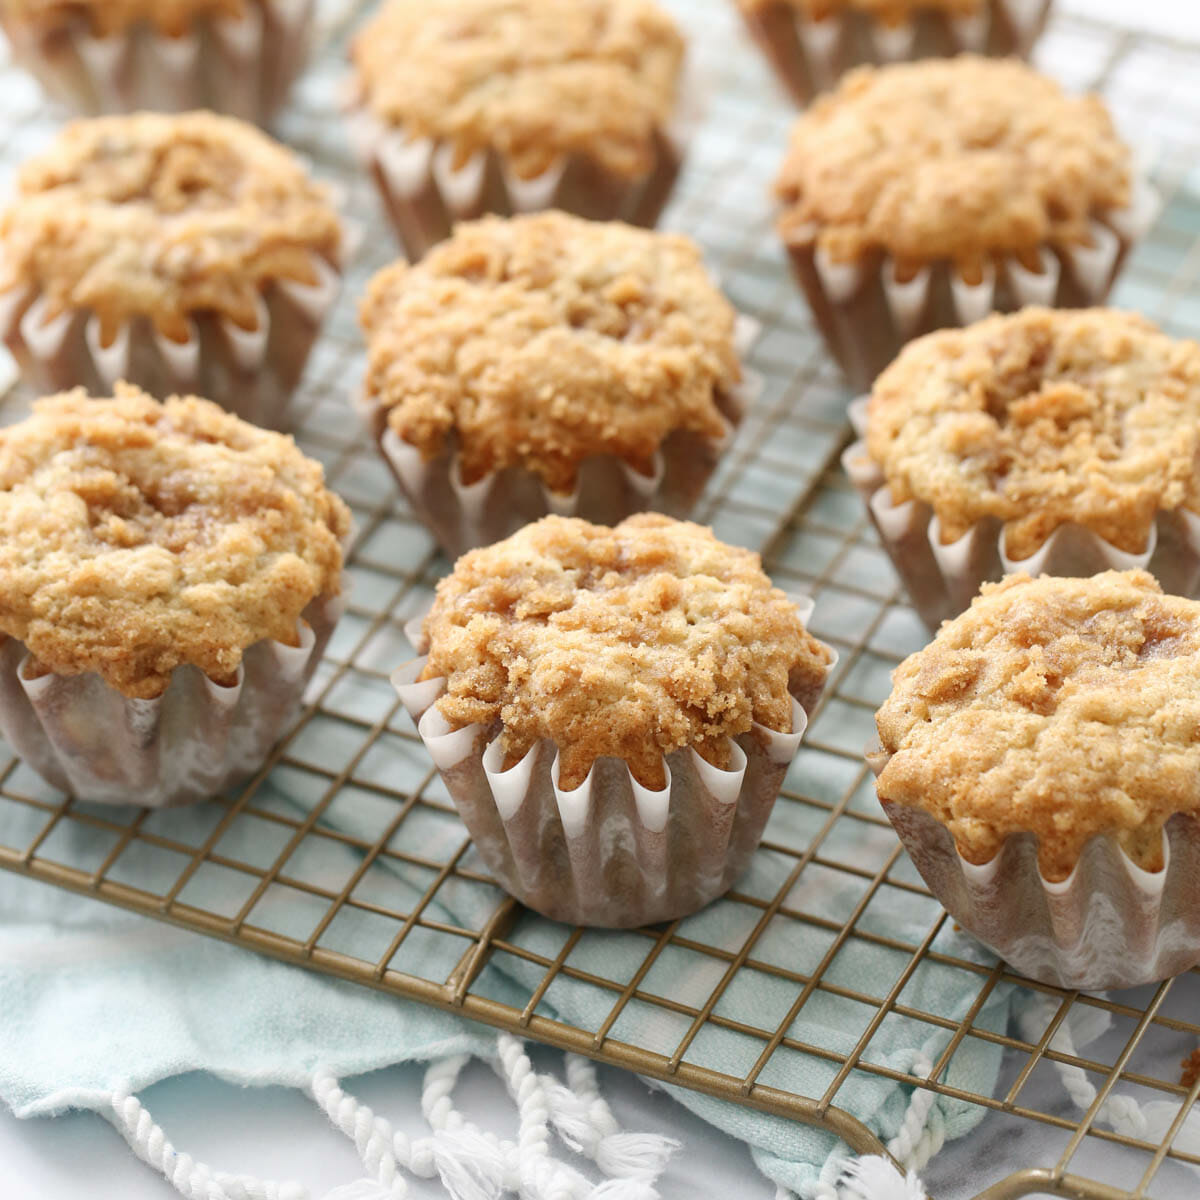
<point x="279" y="1134"/>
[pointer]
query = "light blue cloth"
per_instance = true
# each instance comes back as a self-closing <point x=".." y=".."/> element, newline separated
<point x="96" y="1000"/>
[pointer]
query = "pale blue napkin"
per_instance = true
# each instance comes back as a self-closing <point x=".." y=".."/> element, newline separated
<point x="96" y="1000"/>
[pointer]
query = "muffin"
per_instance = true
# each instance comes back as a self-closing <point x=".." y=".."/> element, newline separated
<point x="109" y="56"/>
<point x="613" y="711"/>
<point x="1039" y="760"/>
<point x="169" y="576"/>
<point x="464" y="107"/>
<point x="1046" y="441"/>
<point x="929" y="194"/>
<point x="179" y="253"/>
<point x="547" y="364"/>
<point x="811" y="43"/>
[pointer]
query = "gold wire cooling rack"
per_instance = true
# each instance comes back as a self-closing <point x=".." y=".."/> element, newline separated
<point x="350" y="784"/>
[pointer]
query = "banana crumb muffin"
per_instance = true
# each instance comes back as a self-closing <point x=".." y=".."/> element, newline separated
<point x="164" y="217"/>
<point x="538" y="341"/>
<point x="532" y="79"/>
<point x="959" y="159"/>
<point x="888" y="11"/>
<point x="106" y="17"/>
<point x="1040" y="419"/>
<point x="1062" y="708"/>
<point x="139" y="537"/>
<point x="628" y="642"/>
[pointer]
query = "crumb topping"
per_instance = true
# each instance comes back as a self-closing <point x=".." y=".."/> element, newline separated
<point x="533" y="79"/>
<point x="887" y="12"/>
<point x="1190" y="1068"/>
<point x="631" y="642"/>
<point x="136" y="537"/>
<point x="1065" y="708"/>
<point x="537" y="341"/>
<point x="163" y="216"/>
<point x="105" y="17"/>
<point x="1043" y="418"/>
<point x="959" y="159"/>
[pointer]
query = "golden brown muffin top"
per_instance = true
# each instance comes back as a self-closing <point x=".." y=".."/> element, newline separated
<point x="164" y="216"/>
<point x="136" y="537"/>
<point x="631" y="642"/>
<point x="537" y="341"/>
<point x="172" y="17"/>
<point x="533" y="79"/>
<point x="960" y="159"/>
<point x="889" y="12"/>
<point x="1065" y="708"/>
<point x="1040" y="419"/>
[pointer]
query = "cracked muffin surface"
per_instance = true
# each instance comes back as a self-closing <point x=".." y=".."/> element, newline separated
<point x="1040" y="419"/>
<point x="139" y="536"/>
<point x="963" y="159"/>
<point x="537" y="341"/>
<point x="631" y="641"/>
<point x="1062" y="708"/>
<point x="163" y="217"/>
<point x="532" y="79"/>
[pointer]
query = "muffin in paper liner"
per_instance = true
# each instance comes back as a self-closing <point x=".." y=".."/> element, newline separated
<point x="464" y="516"/>
<point x="251" y="372"/>
<point x="1109" y="924"/>
<point x="610" y="853"/>
<point x="426" y="194"/>
<point x="942" y="578"/>
<point x="243" y="66"/>
<point x="866" y="313"/>
<point x="809" y="56"/>
<point x="196" y="740"/>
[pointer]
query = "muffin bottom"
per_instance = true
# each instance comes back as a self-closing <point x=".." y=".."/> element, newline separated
<point x="251" y="373"/>
<point x="241" y="67"/>
<point x="196" y="740"/>
<point x="810" y="56"/>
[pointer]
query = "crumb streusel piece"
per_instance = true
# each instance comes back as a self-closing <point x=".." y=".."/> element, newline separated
<point x="1065" y="708"/>
<point x="632" y="642"/>
<point x="1043" y="418"/>
<point x="136" y="537"/>
<point x="106" y="17"/>
<point x="163" y="216"/>
<point x="959" y="159"/>
<point x="532" y="79"/>
<point x="537" y="341"/>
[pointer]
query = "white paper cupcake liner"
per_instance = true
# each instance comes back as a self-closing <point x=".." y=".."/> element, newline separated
<point x="942" y="578"/>
<point x="244" y="66"/>
<point x="866" y="314"/>
<point x="464" y="516"/>
<point x="1109" y="924"/>
<point x="810" y="56"/>
<point x="611" y="852"/>
<point x="426" y="195"/>
<point x="194" y="741"/>
<point x="252" y="373"/>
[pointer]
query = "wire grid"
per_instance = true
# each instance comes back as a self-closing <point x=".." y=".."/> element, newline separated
<point x="781" y="490"/>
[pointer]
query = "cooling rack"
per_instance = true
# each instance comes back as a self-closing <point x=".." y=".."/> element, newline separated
<point x="343" y="855"/>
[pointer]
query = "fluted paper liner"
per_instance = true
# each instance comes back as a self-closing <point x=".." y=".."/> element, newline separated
<point x="196" y="740"/>
<point x="1109" y="924"/>
<point x="252" y="373"/>
<point x="866" y="313"/>
<point x="243" y="66"/>
<point x="810" y="56"/>
<point x="464" y="516"/>
<point x="611" y="852"/>
<point x="943" y="578"/>
<point x="426" y="194"/>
